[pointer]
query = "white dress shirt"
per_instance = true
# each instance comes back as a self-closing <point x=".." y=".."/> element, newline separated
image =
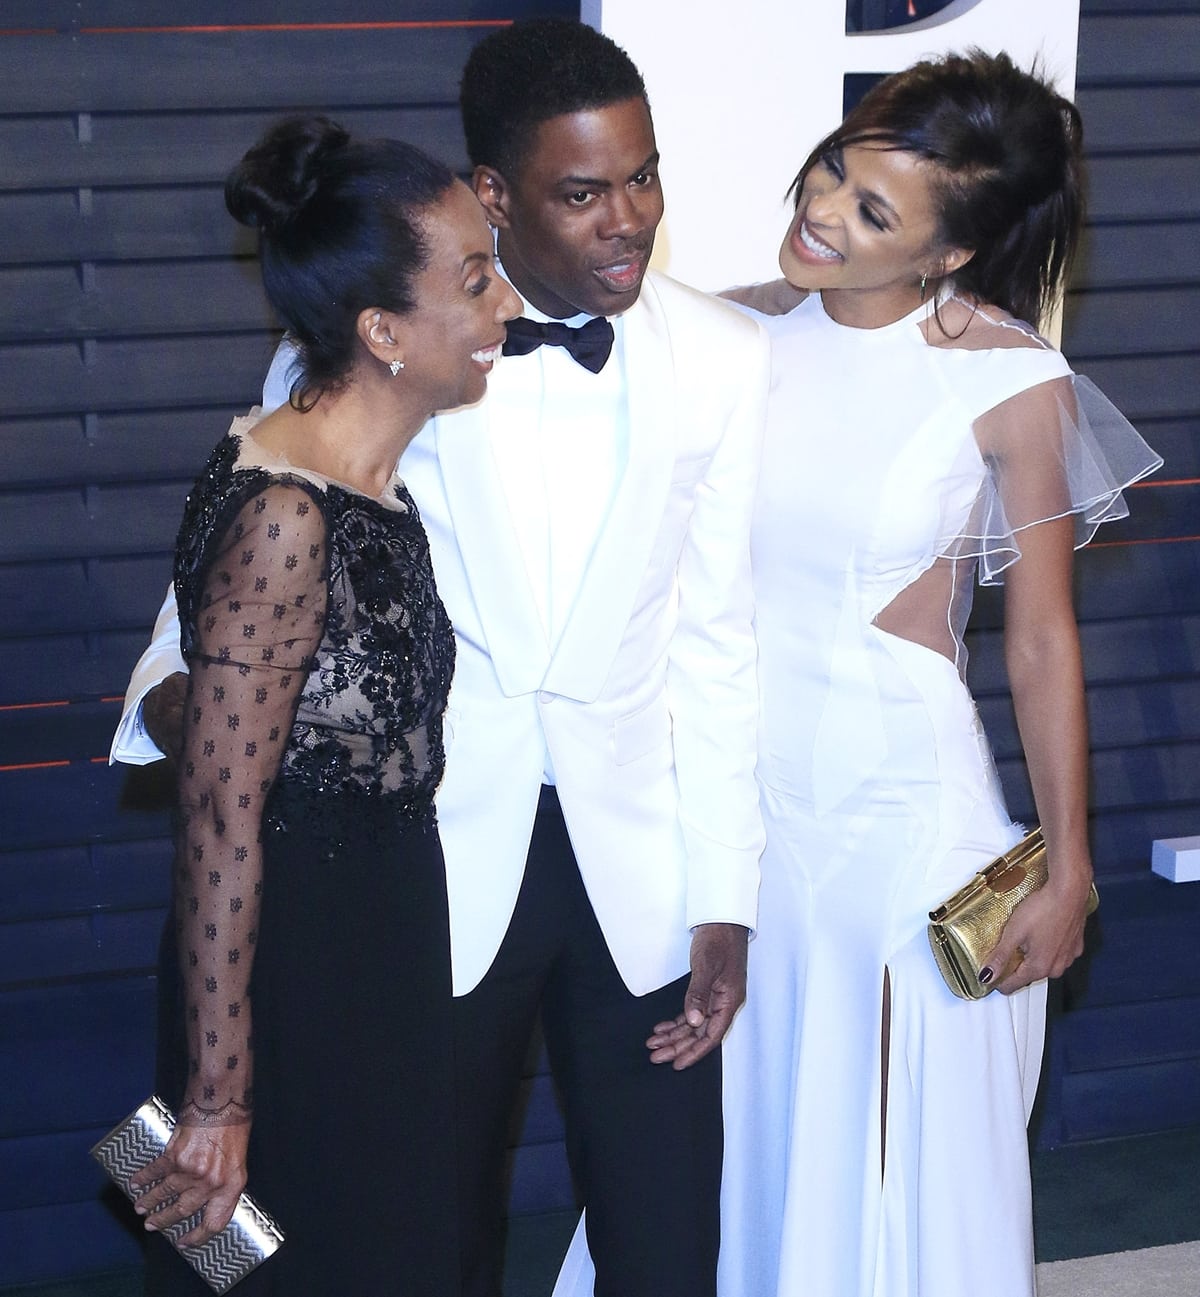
<point x="561" y="444"/>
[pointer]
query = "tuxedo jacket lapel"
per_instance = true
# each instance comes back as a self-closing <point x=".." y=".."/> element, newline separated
<point x="482" y="526"/>
<point x="491" y="553"/>
<point x="600" y="617"/>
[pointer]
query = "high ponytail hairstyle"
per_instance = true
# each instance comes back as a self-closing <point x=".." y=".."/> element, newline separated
<point x="339" y="230"/>
<point x="1009" y="170"/>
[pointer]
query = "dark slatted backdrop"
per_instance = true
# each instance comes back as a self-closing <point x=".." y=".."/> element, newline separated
<point x="132" y="328"/>
<point x="1125" y="1054"/>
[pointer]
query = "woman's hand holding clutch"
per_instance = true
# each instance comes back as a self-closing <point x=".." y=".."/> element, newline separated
<point x="1044" y="937"/>
<point x="203" y="1166"/>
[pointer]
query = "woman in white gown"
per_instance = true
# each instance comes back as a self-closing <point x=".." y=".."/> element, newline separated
<point x="919" y="434"/>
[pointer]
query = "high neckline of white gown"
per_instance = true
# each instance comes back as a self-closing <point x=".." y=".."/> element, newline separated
<point x="916" y="316"/>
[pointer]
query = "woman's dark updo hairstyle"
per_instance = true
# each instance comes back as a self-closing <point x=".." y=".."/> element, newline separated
<point x="339" y="230"/>
<point x="1009" y="183"/>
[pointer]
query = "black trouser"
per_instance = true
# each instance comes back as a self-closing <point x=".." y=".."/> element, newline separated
<point x="644" y="1142"/>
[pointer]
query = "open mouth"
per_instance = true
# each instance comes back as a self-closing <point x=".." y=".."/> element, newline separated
<point x="817" y="247"/>
<point x="621" y="276"/>
<point x="487" y="356"/>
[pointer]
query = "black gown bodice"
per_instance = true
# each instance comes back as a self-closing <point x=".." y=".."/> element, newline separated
<point x="368" y="717"/>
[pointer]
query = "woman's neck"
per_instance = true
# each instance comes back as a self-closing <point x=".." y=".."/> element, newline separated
<point x="858" y="308"/>
<point x="354" y="436"/>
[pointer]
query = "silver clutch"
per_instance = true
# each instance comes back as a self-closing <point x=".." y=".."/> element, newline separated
<point x="245" y="1243"/>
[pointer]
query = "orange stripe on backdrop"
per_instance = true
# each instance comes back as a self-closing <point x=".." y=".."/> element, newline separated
<point x="302" y="27"/>
<point x="1154" y="540"/>
<point x="258" y="27"/>
<point x="1168" y="481"/>
<point x="34" y="765"/>
<point x="63" y="702"/>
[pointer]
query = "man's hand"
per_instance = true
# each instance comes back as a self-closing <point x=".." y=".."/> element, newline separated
<point x="162" y="714"/>
<point x="715" y="993"/>
<point x="775" y="298"/>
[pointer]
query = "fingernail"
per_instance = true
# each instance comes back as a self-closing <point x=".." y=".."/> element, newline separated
<point x="985" y="976"/>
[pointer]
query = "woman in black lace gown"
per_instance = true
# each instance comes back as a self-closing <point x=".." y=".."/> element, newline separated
<point x="306" y="992"/>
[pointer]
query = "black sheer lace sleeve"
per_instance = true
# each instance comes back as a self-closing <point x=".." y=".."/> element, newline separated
<point x="258" y="602"/>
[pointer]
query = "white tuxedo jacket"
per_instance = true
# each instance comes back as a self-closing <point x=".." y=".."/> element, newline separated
<point x="648" y="704"/>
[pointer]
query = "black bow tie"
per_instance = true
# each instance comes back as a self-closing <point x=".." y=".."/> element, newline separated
<point x="589" y="344"/>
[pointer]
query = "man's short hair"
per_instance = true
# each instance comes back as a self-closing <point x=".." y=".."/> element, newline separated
<point x="525" y="74"/>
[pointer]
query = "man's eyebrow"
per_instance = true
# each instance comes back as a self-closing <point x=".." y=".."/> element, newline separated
<point x="477" y="256"/>
<point x="595" y="182"/>
<point x="584" y="182"/>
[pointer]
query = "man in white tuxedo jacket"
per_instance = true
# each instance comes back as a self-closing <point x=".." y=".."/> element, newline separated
<point x="589" y="533"/>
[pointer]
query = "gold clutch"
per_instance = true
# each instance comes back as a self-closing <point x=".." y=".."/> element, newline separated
<point x="964" y="929"/>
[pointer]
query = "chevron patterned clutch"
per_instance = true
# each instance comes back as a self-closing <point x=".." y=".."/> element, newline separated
<point x="246" y="1242"/>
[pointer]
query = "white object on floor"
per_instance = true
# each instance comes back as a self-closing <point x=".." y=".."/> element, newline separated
<point x="1177" y="859"/>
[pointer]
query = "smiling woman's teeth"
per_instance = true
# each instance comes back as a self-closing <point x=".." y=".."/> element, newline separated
<point x="819" y="249"/>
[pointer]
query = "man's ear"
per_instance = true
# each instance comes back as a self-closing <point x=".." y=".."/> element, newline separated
<point x="493" y="193"/>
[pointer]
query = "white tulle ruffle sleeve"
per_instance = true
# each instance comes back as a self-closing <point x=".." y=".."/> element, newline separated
<point x="1056" y="449"/>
